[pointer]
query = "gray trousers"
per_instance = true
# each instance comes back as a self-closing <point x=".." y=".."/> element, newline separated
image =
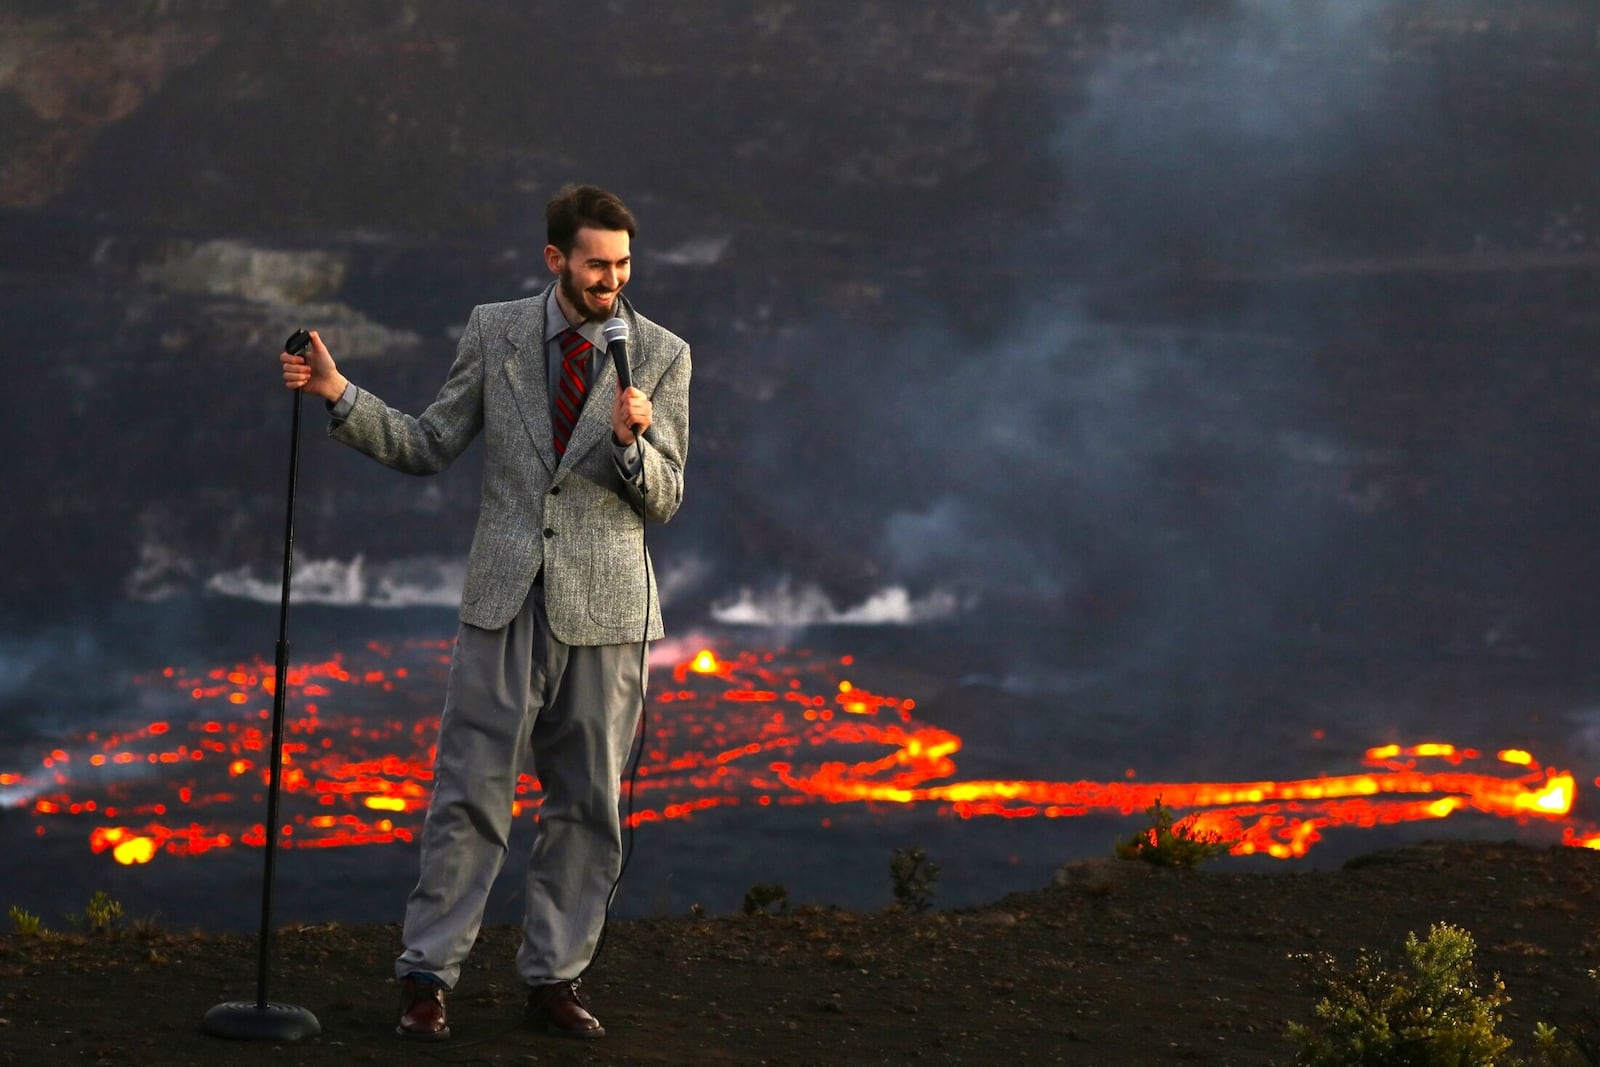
<point x="513" y="692"/>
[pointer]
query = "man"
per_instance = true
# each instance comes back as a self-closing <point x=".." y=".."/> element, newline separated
<point x="556" y="607"/>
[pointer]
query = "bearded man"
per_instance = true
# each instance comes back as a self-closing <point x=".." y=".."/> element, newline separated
<point x="556" y="613"/>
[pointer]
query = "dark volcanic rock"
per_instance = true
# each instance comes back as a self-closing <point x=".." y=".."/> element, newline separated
<point x="1295" y="310"/>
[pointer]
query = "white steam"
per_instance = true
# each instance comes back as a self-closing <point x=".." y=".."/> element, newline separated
<point x="418" y="582"/>
<point x="786" y="605"/>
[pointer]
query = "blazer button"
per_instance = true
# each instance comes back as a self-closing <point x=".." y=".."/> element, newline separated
<point x="549" y="533"/>
<point x="555" y="489"/>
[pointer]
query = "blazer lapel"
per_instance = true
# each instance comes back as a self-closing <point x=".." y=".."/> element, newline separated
<point x="527" y="376"/>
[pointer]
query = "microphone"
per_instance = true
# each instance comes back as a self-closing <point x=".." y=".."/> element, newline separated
<point x="616" y="331"/>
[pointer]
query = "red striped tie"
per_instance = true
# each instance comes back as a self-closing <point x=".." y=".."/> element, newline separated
<point x="571" y="389"/>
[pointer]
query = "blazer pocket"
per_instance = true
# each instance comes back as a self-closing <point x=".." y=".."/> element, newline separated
<point x="616" y="580"/>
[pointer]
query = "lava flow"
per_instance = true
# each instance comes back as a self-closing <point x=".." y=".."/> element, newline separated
<point x="754" y="728"/>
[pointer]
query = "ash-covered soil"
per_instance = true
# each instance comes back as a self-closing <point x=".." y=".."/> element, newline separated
<point x="1121" y="963"/>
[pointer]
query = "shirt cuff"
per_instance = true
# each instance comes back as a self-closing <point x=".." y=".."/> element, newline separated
<point x="340" y="410"/>
<point x="627" y="459"/>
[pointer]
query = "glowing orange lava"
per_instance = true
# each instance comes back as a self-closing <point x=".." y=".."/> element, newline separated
<point x="758" y="728"/>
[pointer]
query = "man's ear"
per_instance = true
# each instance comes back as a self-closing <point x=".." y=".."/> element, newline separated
<point x="554" y="259"/>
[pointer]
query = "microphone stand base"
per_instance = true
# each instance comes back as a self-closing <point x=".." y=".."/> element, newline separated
<point x="247" y="1020"/>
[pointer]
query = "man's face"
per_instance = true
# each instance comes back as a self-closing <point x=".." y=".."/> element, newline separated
<point x="593" y="275"/>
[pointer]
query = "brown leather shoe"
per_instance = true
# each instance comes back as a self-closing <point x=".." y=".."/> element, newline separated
<point x="422" y="1011"/>
<point x="555" y="1007"/>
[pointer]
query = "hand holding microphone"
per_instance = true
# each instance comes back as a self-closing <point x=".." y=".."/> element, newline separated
<point x="630" y="415"/>
<point x="307" y="365"/>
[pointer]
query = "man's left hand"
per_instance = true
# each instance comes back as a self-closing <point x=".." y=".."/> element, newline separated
<point x="631" y="411"/>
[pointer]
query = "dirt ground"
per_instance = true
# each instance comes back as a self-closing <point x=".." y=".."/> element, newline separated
<point x="1122" y="963"/>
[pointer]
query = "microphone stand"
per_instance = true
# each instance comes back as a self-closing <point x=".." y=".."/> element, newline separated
<point x="260" y="1020"/>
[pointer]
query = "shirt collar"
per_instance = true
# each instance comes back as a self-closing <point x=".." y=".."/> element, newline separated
<point x="555" y="321"/>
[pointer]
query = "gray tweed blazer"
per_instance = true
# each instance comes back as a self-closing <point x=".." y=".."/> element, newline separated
<point x="579" y="518"/>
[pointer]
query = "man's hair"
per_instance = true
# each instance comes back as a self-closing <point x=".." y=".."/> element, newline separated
<point x="577" y="206"/>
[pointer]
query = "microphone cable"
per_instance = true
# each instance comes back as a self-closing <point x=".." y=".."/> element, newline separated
<point x="642" y="732"/>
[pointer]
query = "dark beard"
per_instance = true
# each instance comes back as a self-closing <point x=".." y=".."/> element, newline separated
<point x="577" y="298"/>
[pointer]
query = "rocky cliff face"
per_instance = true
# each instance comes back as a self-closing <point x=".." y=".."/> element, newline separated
<point x="1133" y="316"/>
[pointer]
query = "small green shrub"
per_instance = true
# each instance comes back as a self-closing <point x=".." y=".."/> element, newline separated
<point x="1577" y="1044"/>
<point x="764" y="898"/>
<point x="913" y="876"/>
<point x="26" y="924"/>
<point x="1167" y="845"/>
<point x="102" y="913"/>
<point x="1553" y="1048"/>
<point x="1427" y="1013"/>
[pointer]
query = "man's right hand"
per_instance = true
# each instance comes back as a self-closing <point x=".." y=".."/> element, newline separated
<point x="314" y="372"/>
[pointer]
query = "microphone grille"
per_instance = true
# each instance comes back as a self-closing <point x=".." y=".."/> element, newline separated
<point x="615" y="330"/>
